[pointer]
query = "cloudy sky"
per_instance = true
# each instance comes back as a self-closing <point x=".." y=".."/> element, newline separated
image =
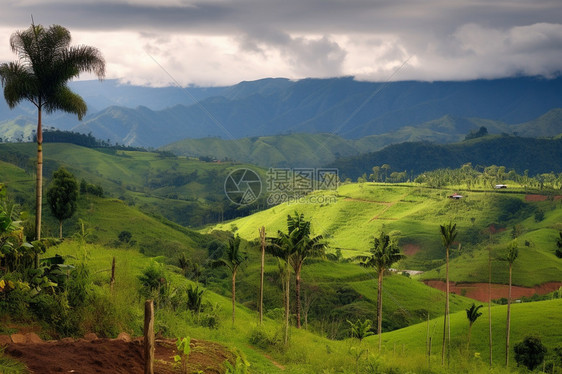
<point x="218" y="42"/>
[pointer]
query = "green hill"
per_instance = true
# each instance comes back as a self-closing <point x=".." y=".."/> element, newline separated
<point x="351" y="216"/>
<point x="186" y="191"/>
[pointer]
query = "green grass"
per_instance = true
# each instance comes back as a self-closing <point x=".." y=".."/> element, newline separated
<point x="526" y="319"/>
<point x="187" y="191"/>
<point x="413" y="214"/>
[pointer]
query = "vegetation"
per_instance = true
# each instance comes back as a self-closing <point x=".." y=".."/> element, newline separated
<point x="530" y="352"/>
<point x="512" y="253"/>
<point x="62" y="196"/>
<point x="472" y="315"/>
<point x="46" y="63"/>
<point x="448" y="235"/>
<point x="384" y="254"/>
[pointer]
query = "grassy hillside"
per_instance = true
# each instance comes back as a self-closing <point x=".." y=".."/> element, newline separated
<point x="351" y="216"/>
<point x="187" y="191"/>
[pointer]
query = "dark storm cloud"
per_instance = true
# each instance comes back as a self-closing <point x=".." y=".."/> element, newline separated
<point x="441" y="39"/>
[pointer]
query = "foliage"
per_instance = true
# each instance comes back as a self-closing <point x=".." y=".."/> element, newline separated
<point x="194" y="298"/>
<point x="62" y="196"/>
<point x="530" y="352"/>
<point x="125" y="236"/>
<point x="361" y="330"/>
<point x="558" y="251"/>
<point x="184" y="349"/>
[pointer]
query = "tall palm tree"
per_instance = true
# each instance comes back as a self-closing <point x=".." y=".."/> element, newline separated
<point x="46" y="63"/>
<point x="448" y="235"/>
<point x="281" y="247"/>
<point x="303" y="247"/>
<point x="512" y="253"/>
<point x="384" y="254"/>
<point x="234" y="258"/>
<point x="472" y="315"/>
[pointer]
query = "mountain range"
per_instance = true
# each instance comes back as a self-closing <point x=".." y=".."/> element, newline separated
<point x="350" y="109"/>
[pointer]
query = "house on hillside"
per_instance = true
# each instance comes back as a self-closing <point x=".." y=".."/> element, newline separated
<point x="455" y="196"/>
<point x="499" y="186"/>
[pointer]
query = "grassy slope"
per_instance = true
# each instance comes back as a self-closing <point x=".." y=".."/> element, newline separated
<point x="526" y="319"/>
<point x="414" y="214"/>
<point x="141" y="178"/>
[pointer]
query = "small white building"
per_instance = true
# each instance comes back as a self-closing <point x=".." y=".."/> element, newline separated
<point x="499" y="186"/>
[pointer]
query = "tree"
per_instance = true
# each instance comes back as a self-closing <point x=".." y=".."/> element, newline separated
<point x="62" y="196"/>
<point x="234" y="258"/>
<point x="303" y="246"/>
<point x="559" y="245"/>
<point x="472" y="315"/>
<point x="360" y="330"/>
<point x="384" y="254"/>
<point x="529" y="352"/>
<point x="512" y="253"/>
<point x="295" y="247"/>
<point x="46" y="63"/>
<point x="448" y="235"/>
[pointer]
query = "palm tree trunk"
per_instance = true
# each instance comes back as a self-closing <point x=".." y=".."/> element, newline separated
<point x="490" y="300"/>
<point x="233" y="295"/>
<point x="379" y="308"/>
<point x="39" y="177"/>
<point x="446" y="319"/>
<point x="287" y="295"/>
<point x="262" y="237"/>
<point x="298" y="295"/>
<point x="508" y="320"/>
<point x="468" y="340"/>
<point x="60" y="229"/>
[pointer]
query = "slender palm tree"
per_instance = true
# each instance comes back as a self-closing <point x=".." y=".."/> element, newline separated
<point x="281" y="248"/>
<point x="46" y="63"/>
<point x="384" y="254"/>
<point x="234" y="258"/>
<point x="472" y="315"/>
<point x="448" y="235"/>
<point x="303" y="247"/>
<point x="512" y="253"/>
<point x="262" y="247"/>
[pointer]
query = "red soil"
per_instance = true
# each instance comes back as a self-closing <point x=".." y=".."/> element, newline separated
<point x="540" y="197"/>
<point x="114" y="356"/>
<point x="479" y="291"/>
<point x="411" y="249"/>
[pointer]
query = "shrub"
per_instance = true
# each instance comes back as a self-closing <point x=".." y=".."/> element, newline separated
<point x="530" y="352"/>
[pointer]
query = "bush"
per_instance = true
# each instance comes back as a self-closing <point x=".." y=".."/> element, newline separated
<point x="530" y="352"/>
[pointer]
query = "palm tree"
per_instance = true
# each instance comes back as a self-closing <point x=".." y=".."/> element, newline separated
<point x="46" y="63"/>
<point x="384" y="254"/>
<point x="472" y="315"/>
<point x="512" y="253"/>
<point x="281" y="248"/>
<point x="303" y="246"/>
<point x="448" y="235"/>
<point x="234" y="258"/>
<point x="262" y="247"/>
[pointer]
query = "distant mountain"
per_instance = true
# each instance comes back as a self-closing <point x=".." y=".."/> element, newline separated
<point x="153" y="117"/>
<point x="532" y="154"/>
<point x="313" y="150"/>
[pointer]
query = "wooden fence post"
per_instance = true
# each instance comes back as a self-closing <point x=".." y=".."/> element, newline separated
<point x="112" y="280"/>
<point x="149" y="337"/>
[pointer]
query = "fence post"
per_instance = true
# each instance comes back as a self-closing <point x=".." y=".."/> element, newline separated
<point x="112" y="280"/>
<point x="149" y="337"/>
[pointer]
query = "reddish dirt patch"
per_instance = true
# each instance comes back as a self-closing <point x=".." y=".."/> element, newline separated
<point x="534" y="198"/>
<point x="411" y="249"/>
<point x="115" y="356"/>
<point x="479" y="291"/>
